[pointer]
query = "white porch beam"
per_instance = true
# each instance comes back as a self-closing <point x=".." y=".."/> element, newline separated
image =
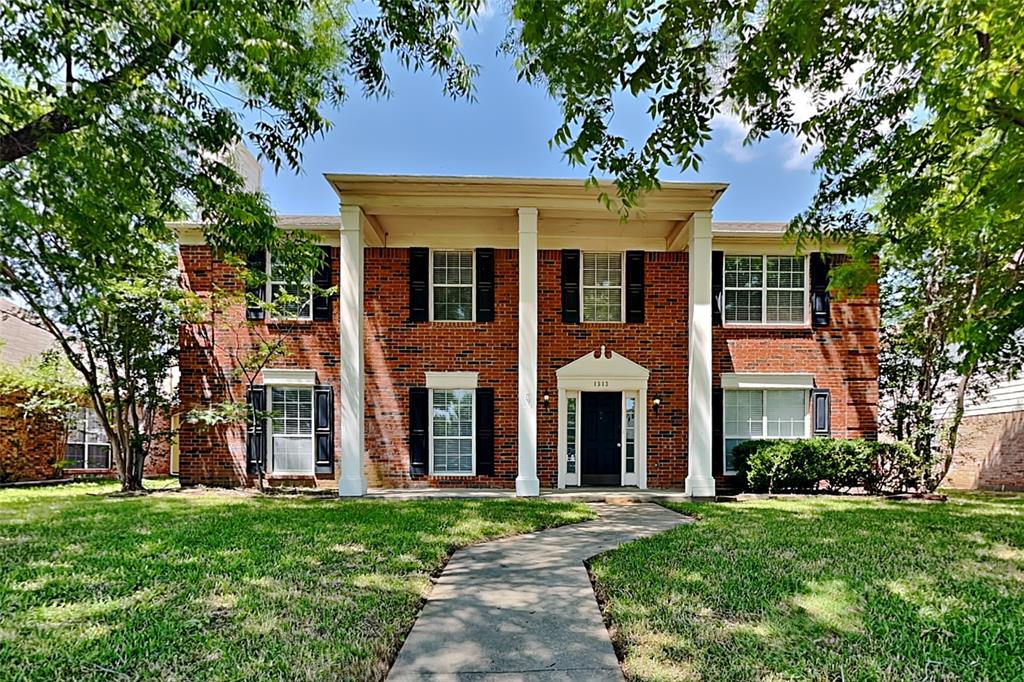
<point x="352" y="482"/>
<point x="527" y="484"/>
<point x="679" y="237"/>
<point x="699" y="479"/>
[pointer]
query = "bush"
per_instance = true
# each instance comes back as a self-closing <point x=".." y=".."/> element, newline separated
<point x="833" y="464"/>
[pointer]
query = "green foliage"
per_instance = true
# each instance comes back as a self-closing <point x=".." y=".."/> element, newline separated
<point x="221" y="586"/>
<point x="49" y="384"/>
<point x="823" y="588"/>
<point x="120" y="116"/>
<point x="835" y="463"/>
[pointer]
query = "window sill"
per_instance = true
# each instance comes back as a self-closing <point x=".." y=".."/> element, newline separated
<point x="450" y="474"/>
<point x="803" y="326"/>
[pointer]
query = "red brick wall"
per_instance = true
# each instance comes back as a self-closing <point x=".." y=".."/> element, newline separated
<point x="398" y="352"/>
<point x="30" y="445"/>
<point x="843" y="358"/>
<point x="660" y="345"/>
<point x="989" y="453"/>
<point x="209" y="374"/>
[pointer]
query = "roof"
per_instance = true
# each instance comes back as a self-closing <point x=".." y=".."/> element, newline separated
<point x="729" y="227"/>
<point x="20" y="340"/>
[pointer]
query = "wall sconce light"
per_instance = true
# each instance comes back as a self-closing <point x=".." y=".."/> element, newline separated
<point x="656" y="402"/>
<point x="546" y="398"/>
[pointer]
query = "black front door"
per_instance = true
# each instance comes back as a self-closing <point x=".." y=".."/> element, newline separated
<point x="601" y="439"/>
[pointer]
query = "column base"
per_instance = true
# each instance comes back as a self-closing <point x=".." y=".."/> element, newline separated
<point x="700" y="487"/>
<point x="351" y="487"/>
<point x="527" y="487"/>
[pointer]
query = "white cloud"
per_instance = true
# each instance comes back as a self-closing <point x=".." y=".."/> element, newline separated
<point x="734" y="132"/>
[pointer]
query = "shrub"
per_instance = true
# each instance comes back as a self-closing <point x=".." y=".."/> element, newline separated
<point x="833" y="464"/>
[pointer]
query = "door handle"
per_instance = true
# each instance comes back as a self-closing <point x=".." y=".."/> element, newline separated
<point x="618" y="445"/>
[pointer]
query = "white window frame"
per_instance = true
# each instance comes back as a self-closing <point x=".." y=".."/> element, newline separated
<point x="472" y="435"/>
<point x="271" y="387"/>
<point x="87" y="412"/>
<point x="270" y="294"/>
<point x="765" y="289"/>
<point x="471" y="285"/>
<point x="726" y="436"/>
<point x="621" y="287"/>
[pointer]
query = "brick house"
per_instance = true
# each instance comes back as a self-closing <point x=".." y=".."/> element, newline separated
<point x="515" y="333"/>
<point x="990" y="444"/>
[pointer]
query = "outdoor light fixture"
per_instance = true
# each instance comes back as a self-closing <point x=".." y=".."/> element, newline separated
<point x="656" y="402"/>
<point x="546" y="397"/>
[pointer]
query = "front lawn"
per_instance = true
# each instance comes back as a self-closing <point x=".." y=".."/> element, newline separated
<point x="225" y="586"/>
<point x="824" y="589"/>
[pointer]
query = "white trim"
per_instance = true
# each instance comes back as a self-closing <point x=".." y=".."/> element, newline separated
<point x="471" y="286"/>
<point x="699" y="479"/>
<point x="527" y="483"/>
<point x="764" y="322"/>
<point x="352" y="406"/>
<point x="289" y="377"/>
<point x="452" y="380"/>
<point x="430" y="434"/>
<point x="621" y="287"/>
<point x="603" y="372"/>
<point x="758" y="380"/>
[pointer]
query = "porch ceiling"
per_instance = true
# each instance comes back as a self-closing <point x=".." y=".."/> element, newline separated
<point x="459" y="212"/>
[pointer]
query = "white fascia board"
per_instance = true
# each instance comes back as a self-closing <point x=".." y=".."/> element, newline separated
<point x="767" y="381"/>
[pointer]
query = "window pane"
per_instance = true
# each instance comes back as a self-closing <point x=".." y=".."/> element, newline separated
<point x="785" y="272"/>
<point x="630" y="435"/>
<point x="786" y="414"/>
<point x="785" y="306"/>
<point x="743" y="414"/>
<point x="99" y="457"/>
<point x="292" y="410"/>
<point x="452" y="423"/>
<point x="570" y="427"/>
<point x="743" y="306"/>
<point x="75" y="454"/>
<point x="453" y="304"/>
<point x="730" y="445"/>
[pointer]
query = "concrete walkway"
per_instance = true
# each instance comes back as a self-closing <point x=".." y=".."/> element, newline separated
<point x="523" y="608"/>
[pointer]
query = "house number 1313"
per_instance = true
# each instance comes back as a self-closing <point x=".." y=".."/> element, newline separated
<point x="600" y="384"/>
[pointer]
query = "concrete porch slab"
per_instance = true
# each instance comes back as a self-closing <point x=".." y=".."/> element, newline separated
<point x="609" y="495"/>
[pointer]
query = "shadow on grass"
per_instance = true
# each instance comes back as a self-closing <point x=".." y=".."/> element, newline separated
<point x="223" y="586"/>
<point x="824" y="589"/>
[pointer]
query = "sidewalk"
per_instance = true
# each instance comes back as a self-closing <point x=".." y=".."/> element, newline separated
<point x="523" y="608"/>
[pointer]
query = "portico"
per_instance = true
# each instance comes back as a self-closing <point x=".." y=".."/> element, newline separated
<point x="531" y="217"/>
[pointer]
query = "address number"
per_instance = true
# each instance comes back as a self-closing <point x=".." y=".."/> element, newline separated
<point x="600" y="384"/>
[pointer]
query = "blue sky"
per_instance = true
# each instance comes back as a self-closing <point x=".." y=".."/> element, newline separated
<point x="505" y="132"/>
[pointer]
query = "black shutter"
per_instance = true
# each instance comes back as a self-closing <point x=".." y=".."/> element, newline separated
<point x="821" y="300"/>
<point x="324" y="404"/>
<point x="485" y="432"/>
<point x="257" y="264"/>
<point x="256" y="432"/>
<point x="717" y="290"/>
<point x="717" y="433"/>
<point x="635" y="286"/>
<point x="485" y="285"/>
<point x="570" y="286"/>
<point x="821" y="408"/>
<point x="419" y="413"/>
<point x="419" y="283"/>
<point x="322" y="278"/>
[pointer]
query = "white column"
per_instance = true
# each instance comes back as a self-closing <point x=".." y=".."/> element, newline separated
<point x="352" y="482"/>
<point x="699" y="481"/>
<point x="526" y="482"/>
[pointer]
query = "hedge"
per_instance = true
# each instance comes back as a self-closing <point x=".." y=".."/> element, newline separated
<point x="832" y="464"/>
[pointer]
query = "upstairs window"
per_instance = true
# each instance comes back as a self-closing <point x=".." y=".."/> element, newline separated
<point x="602" y="287"/>
<point x="452" y="286"/>
<point x="298" y="305"/>
<point x="88" y="446"/>
<point x="765" y="289"/>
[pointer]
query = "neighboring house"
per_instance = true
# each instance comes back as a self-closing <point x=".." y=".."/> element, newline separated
<point x="514" y="333"/>
<point x="35" y="447"/>
<point x="990" y="443"/>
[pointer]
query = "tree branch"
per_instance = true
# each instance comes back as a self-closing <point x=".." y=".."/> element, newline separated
<point x="70" y="113"/>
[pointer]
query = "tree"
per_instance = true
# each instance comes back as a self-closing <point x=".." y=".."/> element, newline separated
<point x="113" y="116"/>
<point x="913" y="109"/>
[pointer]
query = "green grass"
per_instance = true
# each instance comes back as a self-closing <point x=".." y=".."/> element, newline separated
<point x="225" y="586"/>
<point x="824" y="589"/>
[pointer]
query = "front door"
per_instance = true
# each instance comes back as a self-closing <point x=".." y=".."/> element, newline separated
<point x="601" y="438"/>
